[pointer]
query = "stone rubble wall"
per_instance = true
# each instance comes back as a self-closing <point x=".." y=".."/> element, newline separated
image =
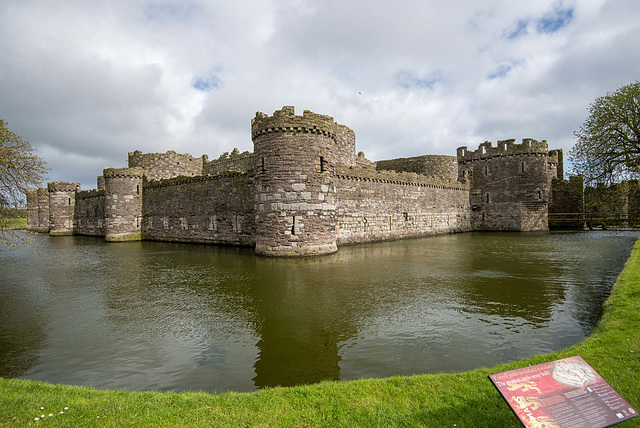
<point x="89" y="213"/>
<point x="385" y="205"/>
<point x="214" y="209"/>
<point x="62" y="201"/>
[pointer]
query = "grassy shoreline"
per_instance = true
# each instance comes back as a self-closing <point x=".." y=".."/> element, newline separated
<point x="13" y="223"/>
<point x="464" y="399"/>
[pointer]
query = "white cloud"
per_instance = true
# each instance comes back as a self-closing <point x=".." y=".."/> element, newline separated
<point x="86" y="82"/>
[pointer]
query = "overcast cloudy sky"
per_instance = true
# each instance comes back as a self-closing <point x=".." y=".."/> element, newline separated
<point x="88" y="81"/>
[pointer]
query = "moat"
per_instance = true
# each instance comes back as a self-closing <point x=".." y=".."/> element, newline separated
<point x="161" y="316"/>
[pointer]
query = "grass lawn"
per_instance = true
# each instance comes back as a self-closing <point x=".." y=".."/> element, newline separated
<point x="465" y="399"/>
<point x="13" y="223"/>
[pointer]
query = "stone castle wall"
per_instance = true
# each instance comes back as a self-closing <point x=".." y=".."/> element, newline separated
<point x="207" y="209"/>
<point x="433" y="165"/>
<point x="166" y="165"/>
<point x="89" y="213"/>
<point x="378" y="206"/>
<point x="234" y="161"/>
<point x="304" y="191"/>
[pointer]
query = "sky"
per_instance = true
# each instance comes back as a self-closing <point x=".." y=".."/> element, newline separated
<point x="86" y="82"/>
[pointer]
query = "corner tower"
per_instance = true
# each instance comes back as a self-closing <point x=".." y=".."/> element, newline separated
<point x="509" y="184"/>
<point x="295" y="193"/>
<point x="62" y="203"/>
<point x="123" y="204"/>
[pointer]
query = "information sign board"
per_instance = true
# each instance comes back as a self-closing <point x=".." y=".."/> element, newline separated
<point x="562" y="393"/>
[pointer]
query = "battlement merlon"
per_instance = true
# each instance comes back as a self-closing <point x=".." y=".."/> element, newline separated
<point x="285" y="120"/>
<point x="503" y="148"/>
<point x="124" y="172"/>
<point x="63" y="186"/>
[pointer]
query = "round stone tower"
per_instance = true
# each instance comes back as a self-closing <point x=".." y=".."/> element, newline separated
<point x="295" y="158"/>
<point x="123" y="204"/>
<point x="62" y="204"/>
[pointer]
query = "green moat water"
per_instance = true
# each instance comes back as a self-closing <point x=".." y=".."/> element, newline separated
<point x="160" y="316"/>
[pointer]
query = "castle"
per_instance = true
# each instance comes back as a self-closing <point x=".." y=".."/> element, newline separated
<point x="304" y="191"/>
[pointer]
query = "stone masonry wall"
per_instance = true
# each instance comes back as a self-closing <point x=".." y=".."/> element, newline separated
<point x="89" y="213"/>
<point x="166" y="165"/>
<point x="32" y="210"/>
<point x="377" y="206"/>
<point x="434" y="165"/>
<point x="234" y="161"/>
<point x="43" y="210"/>
<point x="509" y="185"/>
<point x="208" y="209"/>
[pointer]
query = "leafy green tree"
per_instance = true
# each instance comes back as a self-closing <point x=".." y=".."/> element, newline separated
<point x="20" y="170"/>
<point x="608" y="147"/>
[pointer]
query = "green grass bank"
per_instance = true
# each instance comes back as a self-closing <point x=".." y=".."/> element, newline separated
<point x="13" y="223"/>
<point x="459" y="399"/>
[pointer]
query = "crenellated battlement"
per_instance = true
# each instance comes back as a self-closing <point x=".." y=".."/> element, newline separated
<point x="124" y="172"/>
<point x="400" y="178"/>
<point x="486" y="150"/>
<point x="285" y="120"/>
<point x="63" y="186"/>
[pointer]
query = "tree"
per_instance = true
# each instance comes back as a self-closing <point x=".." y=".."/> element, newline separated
<point x="20" y="170"/>
<point x="608" y="147"/>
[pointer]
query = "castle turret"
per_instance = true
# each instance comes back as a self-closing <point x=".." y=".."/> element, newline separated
<point x="509" y="184"/>
<point x="123" y="203"/>
<point x="295" y="158"/>
<point x="62" y="201"/>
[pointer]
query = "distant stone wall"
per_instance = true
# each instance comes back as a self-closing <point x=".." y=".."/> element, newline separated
<point x="567" y="196"/>
<point x="208" y="209"/>
<point x="234" y="161"/>
<point x="166" y="165"/>
<point x="434" y="165"/>
<point x="89" y="213"/>
<point x="378" y="206"/>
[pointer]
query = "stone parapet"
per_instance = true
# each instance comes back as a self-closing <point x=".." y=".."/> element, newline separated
<point x="503" y="148"/>
<point x="154" y="184"/>
<point x="63" y="186"/>
<point x="285" y="120"/>
<point x="404" y="178"/>
<point x="124" y="172"/>
<point x="87" y="194"/>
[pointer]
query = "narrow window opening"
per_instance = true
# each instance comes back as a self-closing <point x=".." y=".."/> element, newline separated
<point x="138" y="189"/>
<point x="262" y="163"/>
<point x="488" y="199"/>
<point x="522" y="166"/>
<point x="539" y="194"/>
<point x="486" y="170"/>
<point x="482" y="216"/>
<point x="69" y="201"/>
<point x="293" y="226"/>
<point x="322" y="164"/>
